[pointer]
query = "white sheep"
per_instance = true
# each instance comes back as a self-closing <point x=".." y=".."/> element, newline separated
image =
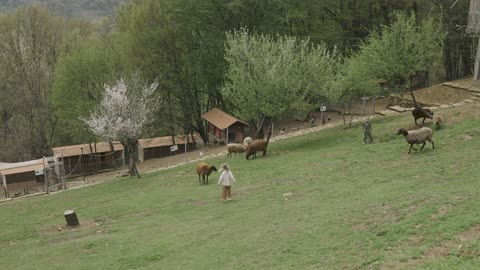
<point x="419" y="136"/>
<point x="247" y="141"/>
<point x="235" y="148"/>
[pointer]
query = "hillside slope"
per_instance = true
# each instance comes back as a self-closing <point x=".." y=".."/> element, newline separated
<point x="322" y="201"/>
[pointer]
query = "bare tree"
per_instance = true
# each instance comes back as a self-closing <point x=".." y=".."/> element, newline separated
<point x="124" y="115"/>
<point x="30" y="43"/>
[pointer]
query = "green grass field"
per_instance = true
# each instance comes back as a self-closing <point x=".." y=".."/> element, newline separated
<point x="352" y="206"/>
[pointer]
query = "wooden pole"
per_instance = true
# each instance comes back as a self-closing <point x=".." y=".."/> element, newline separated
<point x="364" y="99"/>
<point x="82" y="171"/>
<point x="4" y="177"/>
<point x="45" y="175"/>
<point x="123" y="158"/>
<point x="186" y="143"/>
<point x="374" y="105"/>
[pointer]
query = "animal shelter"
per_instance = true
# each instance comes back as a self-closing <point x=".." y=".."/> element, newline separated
<point x="224" y="128"/>
<point x="159" y="147"/>
<point x="22" y="178"/>
<point x="85" y="159"/>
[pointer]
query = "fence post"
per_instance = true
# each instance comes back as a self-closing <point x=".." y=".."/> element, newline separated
<point x="4" y="177"/>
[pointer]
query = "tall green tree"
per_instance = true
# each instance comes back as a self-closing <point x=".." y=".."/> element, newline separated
<point x="404" y="52"/>
<point x="79" y="85"/>
<point x="269" y="76"/>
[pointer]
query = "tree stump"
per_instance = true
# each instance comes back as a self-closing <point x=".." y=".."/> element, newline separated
<point x="71" y="218"/>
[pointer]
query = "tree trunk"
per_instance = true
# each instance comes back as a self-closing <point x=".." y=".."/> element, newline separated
<point x="351" y="114"/>
<point x="266" y="122"/>
<point x="71" y="218"/>
<point x="477" y="62"/>
<point x="132" y="158"/>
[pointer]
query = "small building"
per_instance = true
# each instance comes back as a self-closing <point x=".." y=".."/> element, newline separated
<point x="22" y="176"/>
<point x="165" y="146"/>
<point x="224" y="128"/>
<point x="84" y="159"/>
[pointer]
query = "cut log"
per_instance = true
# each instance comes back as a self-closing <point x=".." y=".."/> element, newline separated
<point x="71" y="218"/>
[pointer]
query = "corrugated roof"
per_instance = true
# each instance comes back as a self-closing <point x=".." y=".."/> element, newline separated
<point x="221" y="119"/>
<point x="21" y="167"/>
<point x="155" y="142"/>
<point x="165" y="141"/>
<point x="182" y="139"/>
<point x="76" y="150"/>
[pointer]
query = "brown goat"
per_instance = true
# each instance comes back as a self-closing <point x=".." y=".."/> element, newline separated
<point x="204" y="170"/>
<point x="258" y="145"/>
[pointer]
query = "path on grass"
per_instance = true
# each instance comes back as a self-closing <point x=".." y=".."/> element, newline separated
<point x="275" y="138"/>
<point x="466" y="84"/>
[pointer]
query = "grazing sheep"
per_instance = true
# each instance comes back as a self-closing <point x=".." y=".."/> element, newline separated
<point x="419" y="136"/>
<point x="247" y="141"/>
<point x="438" y="121"/>
<point x="418" y="113"/>
<point x="235" y="148"/>
<point x="258" y="145"/>
<point x="204" y="170"/>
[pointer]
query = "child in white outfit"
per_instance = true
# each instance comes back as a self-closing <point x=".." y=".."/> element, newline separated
<point x="226" y="179"/>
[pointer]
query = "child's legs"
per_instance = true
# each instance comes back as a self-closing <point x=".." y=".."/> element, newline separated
<point x="224" y="192"/>
<point x="229" y="191"/>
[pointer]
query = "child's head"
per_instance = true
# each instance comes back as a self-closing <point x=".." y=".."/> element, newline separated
<point x="225" y="167"/>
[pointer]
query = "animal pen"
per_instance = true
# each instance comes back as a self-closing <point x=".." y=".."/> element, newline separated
<point x="31" y="177"/>
<point x="87" y="159"/>
<point x="224" y="128"/>
<point x="162" y="146"/>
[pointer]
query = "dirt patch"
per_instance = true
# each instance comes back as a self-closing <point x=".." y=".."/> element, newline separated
<point x="84" y="225"/>
<point x="441" y="250"/>
<point x="445" y="209"/>
<point x="441" y="94"/>
<point x="470" y="235"/>
<point x="191" y="202"/>
<point x="438" y="251"/>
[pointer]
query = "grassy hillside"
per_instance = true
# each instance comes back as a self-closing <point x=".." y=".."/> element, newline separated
<point x="352" y="206"/>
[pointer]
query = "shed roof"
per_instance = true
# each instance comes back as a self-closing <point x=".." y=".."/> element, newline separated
<point x="76" y="150"/>
<point x="22" y="167"/>
<point x="221" y="119"/>
<point x="155" y="142"/>
<point x="165" y="141"/>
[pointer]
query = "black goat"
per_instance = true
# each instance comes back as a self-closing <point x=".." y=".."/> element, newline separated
<point x="418" y="113"/>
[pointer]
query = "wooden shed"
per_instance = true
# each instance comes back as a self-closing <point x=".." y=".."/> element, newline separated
<point x="162" y="146"/>
<point x="224" y="128"/>
<point x="84" y="159"/>
<point x="21" y="176"/>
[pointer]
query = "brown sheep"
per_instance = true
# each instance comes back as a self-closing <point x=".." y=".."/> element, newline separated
<point x="258" y="145"/>
<point x="204" y="170"/>
<point x="438" y="121"/>
<point x="418" y="113"/>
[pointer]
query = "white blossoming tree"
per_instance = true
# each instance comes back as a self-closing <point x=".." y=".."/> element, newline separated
<point x="123" y="115"/>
